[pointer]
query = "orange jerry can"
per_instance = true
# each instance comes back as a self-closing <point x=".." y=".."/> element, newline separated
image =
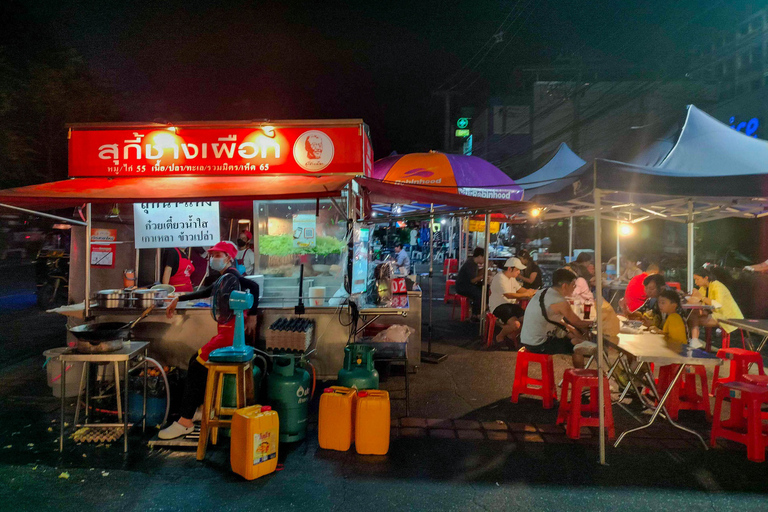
<point x="372" y="422"/>
<point x="336" y="424"/>
<point x="255" y="436"/>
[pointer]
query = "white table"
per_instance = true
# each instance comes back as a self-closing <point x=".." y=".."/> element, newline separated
<point x="690" y="308"/>
<point x="759" y="327"/>
<point x="131" y="350"/>
<point x="653" y="348"/>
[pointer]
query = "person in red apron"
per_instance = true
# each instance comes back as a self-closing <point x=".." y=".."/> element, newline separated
<point x="223" y="259"/>
<point x="178" y="270"/>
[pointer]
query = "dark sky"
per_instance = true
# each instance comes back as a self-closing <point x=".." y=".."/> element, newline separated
<point x="194" y="60"/>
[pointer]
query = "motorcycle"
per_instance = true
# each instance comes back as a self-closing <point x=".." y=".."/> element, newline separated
<point x="52" y="269"/>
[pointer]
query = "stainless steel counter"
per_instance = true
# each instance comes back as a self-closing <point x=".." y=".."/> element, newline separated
<point x="174" y="340"/>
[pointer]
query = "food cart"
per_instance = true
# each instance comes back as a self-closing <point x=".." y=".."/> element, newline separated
<point x="139" y="188"/>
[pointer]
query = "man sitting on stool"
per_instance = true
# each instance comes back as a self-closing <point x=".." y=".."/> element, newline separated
<point x="551" y="327"/>
<point x="505" y="288"/>
<point x="469" y="281"/>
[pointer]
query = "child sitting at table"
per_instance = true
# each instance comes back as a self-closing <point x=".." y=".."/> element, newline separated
<point x="674" y="327"/>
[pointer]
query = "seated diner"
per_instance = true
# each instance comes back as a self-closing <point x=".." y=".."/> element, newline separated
<point x="712" y="292"/>
<point x="505" y="291"/>
<point x="550" y="326"/>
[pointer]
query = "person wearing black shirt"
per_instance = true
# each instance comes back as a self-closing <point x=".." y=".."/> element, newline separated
<point x="531" y="276"/>
<point x="469" y="281"/>
<point x="223" y="258"/>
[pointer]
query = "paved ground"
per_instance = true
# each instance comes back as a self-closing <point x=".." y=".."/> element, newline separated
<point x="465" y="447"/>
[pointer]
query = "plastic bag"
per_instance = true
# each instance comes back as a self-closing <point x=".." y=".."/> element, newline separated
<point x="395" y="334"/>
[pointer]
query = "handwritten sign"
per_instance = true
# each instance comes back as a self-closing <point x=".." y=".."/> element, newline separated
<point x="304" y="230"/>
<point x="177" y="224"/>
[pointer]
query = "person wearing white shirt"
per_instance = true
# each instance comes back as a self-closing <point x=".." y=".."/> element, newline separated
<point x="505" y="289"/>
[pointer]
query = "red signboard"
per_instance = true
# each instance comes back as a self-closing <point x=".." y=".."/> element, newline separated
<point x="205" y="151"/>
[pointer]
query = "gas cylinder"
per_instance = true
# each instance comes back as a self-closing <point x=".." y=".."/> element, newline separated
<point x="358" y="371"/>
<point x="288" y="390"/>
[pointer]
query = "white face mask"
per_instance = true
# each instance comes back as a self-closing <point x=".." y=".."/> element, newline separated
<point x="218" y="264"/>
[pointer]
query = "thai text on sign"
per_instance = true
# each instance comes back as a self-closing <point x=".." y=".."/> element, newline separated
<point x="200" y="151"/>
<point x="176" y="224"/>
<point x="479" y="226"/>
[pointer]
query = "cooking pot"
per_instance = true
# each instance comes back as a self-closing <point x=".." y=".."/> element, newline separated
<point x="110" y="298"/>
<point x="146" y="298"/>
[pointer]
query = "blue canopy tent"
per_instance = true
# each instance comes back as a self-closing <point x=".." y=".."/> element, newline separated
<point x="710" y="172"/>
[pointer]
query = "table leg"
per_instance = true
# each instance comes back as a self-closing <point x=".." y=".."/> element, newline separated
<point x="661" y="407"/>
<point x="144" y="405"/>
<point x="762" y="344"/>
<point x="63" y="404"/>
<point x="88" y="391"/>
<point x="125" y="409"/>
<point x="116" y="369"/>
<point x="79" y="394"/>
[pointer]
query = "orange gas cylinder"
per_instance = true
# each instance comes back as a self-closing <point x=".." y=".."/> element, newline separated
<point x="335" y="427"/>
<point x="372" y="422"/>
<point x="255" y="436"/>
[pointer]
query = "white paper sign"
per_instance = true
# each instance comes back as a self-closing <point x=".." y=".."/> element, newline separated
<point x="178" y="224"/>
<point x="304" y="230"/>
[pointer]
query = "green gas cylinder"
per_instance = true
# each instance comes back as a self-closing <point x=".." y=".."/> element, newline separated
<point x="229" y="392"/>
<point x="288" y="391"/>
<point x="358" y="371"/>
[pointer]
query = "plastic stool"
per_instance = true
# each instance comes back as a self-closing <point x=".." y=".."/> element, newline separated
<point x="746" y="400"/>
<point x="740" y="360"/>
<point x="490" y="326"/>
<point x="522" y="385"/>
<point x="448" y="295"/>
<point x="725" y="340"/>
<point x="464" y="303"/>
<point x="450" y="266"/>
<point x="571" y="408"/>
<point x="685" y="396"/>
<point x="212" y="409"/>
<point x="675" y="285"/>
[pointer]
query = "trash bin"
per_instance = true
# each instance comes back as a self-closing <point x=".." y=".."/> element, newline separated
<point x="74" y="370"/>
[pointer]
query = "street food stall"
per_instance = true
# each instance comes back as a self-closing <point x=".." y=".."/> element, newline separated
<point x="138" y="189"/>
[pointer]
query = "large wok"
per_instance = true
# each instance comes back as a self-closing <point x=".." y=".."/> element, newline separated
<point x="108" y="331"/>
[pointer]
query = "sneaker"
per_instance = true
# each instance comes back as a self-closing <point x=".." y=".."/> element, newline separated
<point x="198" y="417"/>
<point x="175" y="430"/>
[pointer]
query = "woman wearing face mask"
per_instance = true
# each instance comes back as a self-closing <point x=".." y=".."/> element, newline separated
<point x="245" y="257"/>
<point x="223" y="258"/>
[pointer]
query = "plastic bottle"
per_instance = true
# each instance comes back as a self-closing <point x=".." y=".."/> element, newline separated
<point x="255" y="440"/>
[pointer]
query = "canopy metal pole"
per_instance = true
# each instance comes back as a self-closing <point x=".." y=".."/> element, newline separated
<point x="429" y="356"/>
<point x="570" y="239"/>
<point x="88" y="225"/>
<point x="690" y="226"/>
<point x="618" y="248"/>
<point x="484" y="296"/>
<point x="599" y="312"/>
<point x="460" y="255"/>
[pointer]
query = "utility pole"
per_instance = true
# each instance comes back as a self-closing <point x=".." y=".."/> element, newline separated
<point x="446" y="94"/>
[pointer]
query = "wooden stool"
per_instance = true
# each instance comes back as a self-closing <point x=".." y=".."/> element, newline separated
<point x="210" y="423"/>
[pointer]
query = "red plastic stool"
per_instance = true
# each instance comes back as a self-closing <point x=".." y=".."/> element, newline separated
<point x="745" y="424"/>
<point x="464" y="303"/>
<point x="757" y="380"/>
<point x="725" y="340"/>
<point x="450" y="266"/>
<point x="675" y="285"/>
<point x="740" y="360"/>
<point x="523" y="384"/>
<point x="523" y="303"/>
<point x="571" y="408"/>
<point x="685" y="396"/>
<point x="490" y="326"/>
<point x="448" y="295"/>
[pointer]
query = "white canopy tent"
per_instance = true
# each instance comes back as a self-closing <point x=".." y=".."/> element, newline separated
<point x="711" y="172"/>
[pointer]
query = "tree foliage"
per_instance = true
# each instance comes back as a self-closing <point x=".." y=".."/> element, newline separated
<point x="37" y="100"/>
